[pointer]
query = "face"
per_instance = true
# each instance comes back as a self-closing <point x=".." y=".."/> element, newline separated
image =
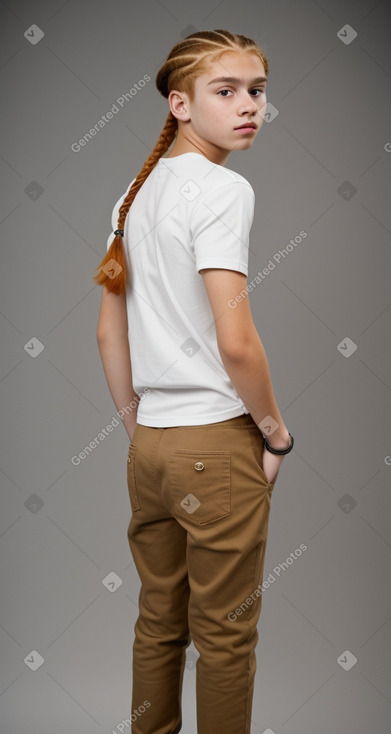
<point x="210" y="122"/>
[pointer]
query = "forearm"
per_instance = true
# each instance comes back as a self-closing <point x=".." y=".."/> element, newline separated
<point x="250" y="376"/>
<point x="115" y="356"/>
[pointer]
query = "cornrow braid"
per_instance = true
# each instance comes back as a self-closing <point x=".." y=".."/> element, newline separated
<point x="186" y="61"/>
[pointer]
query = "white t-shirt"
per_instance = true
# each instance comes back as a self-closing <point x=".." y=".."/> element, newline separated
<point x="189" y="214"/>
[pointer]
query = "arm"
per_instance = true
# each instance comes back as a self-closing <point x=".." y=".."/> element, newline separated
<point x="243" y="355"/>
<point x="113" y="344"/>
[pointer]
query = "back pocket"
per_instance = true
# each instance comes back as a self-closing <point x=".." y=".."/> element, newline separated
<point x="131" y="478"/>
<point x="201" y="484"/>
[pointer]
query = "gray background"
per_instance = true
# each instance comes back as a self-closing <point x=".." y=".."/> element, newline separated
<point x="321" y="165"/>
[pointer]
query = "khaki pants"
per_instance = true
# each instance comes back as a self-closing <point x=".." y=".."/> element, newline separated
<point x="198" y="531"/>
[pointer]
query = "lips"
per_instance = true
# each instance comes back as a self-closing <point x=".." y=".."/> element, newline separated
<point x="247" y="124"/>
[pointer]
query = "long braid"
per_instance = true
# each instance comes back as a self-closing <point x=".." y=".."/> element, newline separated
<point x="186" y="61"/>
<point x="114" y="275"/>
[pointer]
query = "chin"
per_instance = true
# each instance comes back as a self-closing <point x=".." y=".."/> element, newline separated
<point x="245" y="144"/>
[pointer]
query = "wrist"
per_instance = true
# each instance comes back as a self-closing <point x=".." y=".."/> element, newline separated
<point x="279" y="450"/>
<point x="279" y="439"/>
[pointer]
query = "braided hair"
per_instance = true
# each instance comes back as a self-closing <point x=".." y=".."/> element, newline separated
<point x="186" y="61"/>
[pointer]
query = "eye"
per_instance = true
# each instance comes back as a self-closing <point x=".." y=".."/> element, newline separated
<point x="262" y="91"/>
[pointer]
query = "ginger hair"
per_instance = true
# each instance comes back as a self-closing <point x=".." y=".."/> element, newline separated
<point x="187" y="60"/>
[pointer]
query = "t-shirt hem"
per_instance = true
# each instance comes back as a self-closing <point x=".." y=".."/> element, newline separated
<point x="193" y="420"/>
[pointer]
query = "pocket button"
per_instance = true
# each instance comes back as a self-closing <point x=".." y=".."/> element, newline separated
<point x="199" y="465"/>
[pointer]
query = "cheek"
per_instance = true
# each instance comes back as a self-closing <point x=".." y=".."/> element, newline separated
<point x="212" y="116"/>
<point x="220" y="111"/>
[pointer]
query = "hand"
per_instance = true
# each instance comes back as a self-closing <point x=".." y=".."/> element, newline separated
<point x="271" y="464"/>
<point x="130" y="431"/>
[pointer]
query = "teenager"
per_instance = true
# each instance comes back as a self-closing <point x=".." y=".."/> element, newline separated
<point x="179" y="345"/>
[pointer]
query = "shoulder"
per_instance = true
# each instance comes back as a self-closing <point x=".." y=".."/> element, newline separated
<point x="221" y="190"/>
<point x="215" y="179"/>
<point x="227" y="175"/>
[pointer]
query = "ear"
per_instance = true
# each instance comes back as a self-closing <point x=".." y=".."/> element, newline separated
<point x="177" y="101"/>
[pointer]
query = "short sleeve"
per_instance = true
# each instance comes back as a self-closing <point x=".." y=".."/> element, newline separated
<point x="114" y="216"/>
<point x="220" y="227"/>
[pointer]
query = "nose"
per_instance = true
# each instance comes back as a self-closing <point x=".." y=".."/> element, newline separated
<point x="249" y="103"/>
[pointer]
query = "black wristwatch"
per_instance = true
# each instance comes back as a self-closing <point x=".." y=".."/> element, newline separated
<point x="281" y="452"/>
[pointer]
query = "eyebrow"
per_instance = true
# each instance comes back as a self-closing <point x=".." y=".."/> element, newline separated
<point x="235" y="79"/>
